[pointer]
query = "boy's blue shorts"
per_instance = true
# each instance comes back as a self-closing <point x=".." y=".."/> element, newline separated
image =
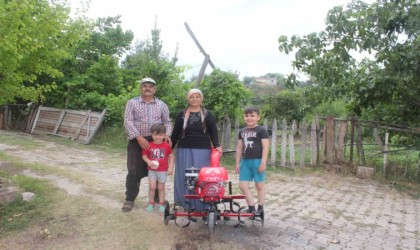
<point x="249" y="170"/>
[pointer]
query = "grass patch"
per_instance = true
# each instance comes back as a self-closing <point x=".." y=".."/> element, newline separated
<point x="111" y="138"/>
<point x="19" y="214"/>
<point x="22" y="140"/>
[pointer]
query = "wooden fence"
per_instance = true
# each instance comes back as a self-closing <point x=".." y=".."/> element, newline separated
<point x="73" y="124"/>
<point x="334" y="142"/>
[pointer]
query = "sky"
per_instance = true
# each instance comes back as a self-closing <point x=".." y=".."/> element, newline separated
<point x="239" y="35"/>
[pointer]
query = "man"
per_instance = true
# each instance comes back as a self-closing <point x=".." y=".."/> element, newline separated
<point x="140" y="114"/>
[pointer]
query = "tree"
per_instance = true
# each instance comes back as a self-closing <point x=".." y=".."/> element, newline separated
<point x="247" y="80"/>
<point x="224" y="94"/>
<point x="34" y="37"/>
<point x="387" y="79"/>
<point x="286" y="104"/>
<point x="92" y="71"/>
<point x="148" y="59"/>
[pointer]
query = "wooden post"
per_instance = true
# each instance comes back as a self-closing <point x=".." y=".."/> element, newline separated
<point x="82" y="124"/>
<point x="198" y="44"/>
<point x="303" y="144"/>
<point x="202" y="71"/>
<point x="341" y="136"/>
<point x="318" y="147"/>
<point x="7" y="119"/>
<point x="36" y="118"/>
<point x="283" y="143"/>
<point x="329" y="142"/>
<point x="97" y="126"/>
<point x="418" y="170"/>
<point x="274" y="142"/>
<point x="206" y="57"/>
<point x="235" y="139"/>
<point x="59" y="121"/>
<point x="351" y="138"/>
<point x="359" y="145"/>
<point x="31" y="118"/>
<point x="386" y="153"/>
<point x="314" y="148"/>
<point x="292" y="145"/>
<point x="378" y="139"/>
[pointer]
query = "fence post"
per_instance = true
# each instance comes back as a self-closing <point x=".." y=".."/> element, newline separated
<point x="235" y="138"/>
<point x="292" y="145"/>
<point x="283" y="143"/>
<point x="351" y="137"/>
<point x="329" y="142"/>
<point x="314" y="140"/>
<point x="341" y="136"/>
<point x="274" y="142"/>
<point x="303" y="144"/>
<point x="359" y="144"/>
<point x="418" y="170"/>
<point x="318" y="146"/>
<point x="386" y="153"/>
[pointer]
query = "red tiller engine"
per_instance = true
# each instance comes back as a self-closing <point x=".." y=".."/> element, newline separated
<point x="208" y="183"/>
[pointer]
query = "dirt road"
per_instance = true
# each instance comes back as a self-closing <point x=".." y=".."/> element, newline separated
<point x="317" y="211"/>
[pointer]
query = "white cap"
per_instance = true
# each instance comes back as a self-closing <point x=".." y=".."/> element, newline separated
<point x="147" y="79"/>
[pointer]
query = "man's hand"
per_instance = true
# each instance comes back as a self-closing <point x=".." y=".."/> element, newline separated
<point x="144" y="144"/>
<point x="168" y="140"/>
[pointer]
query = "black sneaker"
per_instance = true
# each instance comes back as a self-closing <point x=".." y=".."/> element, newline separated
<point x="251" y="211"/>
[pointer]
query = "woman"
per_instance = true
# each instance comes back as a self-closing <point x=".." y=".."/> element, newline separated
<point x="194" y="133"/>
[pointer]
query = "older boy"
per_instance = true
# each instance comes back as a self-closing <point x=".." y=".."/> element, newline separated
<point x="251" y="158"/>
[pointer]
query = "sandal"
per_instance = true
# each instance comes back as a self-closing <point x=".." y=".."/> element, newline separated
<point x="161" y="208"/>
<point x="128" y="206"/>
<point x="149" y="207"/>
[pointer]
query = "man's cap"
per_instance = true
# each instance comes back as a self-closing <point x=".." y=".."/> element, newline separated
<point x="147" y="79"/>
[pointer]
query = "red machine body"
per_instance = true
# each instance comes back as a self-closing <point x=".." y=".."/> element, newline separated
<point x="211" y="183"/>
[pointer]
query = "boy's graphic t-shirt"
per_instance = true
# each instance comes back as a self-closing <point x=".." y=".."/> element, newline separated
<point x="160" y="153"/>
<point x="251" y="138"/>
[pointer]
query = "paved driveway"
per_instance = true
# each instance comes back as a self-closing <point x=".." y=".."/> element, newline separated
<point x="330" y="211"/>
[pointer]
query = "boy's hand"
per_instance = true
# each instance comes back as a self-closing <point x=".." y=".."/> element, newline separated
<point x="262" y="168"/>
<point x="170" y="171"/>
<point x="237" y="168"/>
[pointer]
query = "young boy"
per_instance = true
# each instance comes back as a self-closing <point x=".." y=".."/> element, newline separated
<point x="251" y="158"/>
<point x="160" y="162"/>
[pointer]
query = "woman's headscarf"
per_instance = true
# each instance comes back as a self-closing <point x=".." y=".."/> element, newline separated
<point x="187" y="110"/>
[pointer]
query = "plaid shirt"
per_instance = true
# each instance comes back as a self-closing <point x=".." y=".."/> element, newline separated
<point x="140" y="116"/>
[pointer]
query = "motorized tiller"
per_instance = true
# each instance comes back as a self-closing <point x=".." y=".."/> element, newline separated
<point x="208" y="185"/>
